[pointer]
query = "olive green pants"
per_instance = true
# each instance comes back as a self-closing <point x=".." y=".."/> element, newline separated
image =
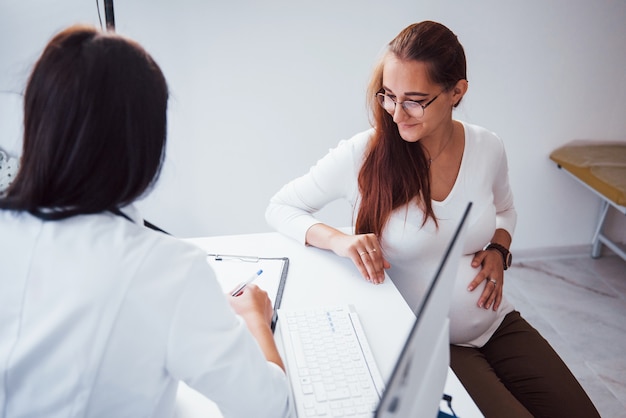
<point x="518" y="374"/>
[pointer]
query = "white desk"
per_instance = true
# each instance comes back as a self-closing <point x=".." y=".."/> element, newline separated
<point x="317" y="277"/>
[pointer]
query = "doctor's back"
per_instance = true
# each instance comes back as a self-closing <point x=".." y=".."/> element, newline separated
<point x="99" y="315"/>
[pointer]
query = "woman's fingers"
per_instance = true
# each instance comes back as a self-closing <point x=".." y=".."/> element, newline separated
<point x="491" y="295"/>
<point x="368" y="257"/>
<point x="374" y="265"/>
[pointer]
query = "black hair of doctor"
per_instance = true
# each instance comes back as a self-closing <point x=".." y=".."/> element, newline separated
<point x="89" y="147"/>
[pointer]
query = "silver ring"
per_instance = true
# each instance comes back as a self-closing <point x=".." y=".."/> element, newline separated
<point x="493" y="281"/>
<point x="362" y="252"/>
<point x="373" y="251"/>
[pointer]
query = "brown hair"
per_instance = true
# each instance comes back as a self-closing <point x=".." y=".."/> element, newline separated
<point x="396" y="171"/>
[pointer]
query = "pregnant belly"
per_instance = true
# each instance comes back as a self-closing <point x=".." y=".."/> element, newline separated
<point x="467" y="320"/>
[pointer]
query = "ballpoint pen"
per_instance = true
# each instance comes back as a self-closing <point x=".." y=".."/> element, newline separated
<point x="245" y="283"/>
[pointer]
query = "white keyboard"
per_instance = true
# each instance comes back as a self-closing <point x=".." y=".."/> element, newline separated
<point x="329" y="363"/>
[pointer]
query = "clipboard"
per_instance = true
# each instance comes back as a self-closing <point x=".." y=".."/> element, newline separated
<point x="232" y="269"/>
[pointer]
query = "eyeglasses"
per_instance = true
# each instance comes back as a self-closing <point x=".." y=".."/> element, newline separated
<point x="411" y="107"/>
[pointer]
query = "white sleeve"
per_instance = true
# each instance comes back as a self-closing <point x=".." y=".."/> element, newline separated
<point x="211" y="350"/>
<point x="333" y="177"/>
<point x="506" y="215"/>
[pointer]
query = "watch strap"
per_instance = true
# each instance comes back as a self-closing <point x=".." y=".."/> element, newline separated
<point x="504" y="252"/>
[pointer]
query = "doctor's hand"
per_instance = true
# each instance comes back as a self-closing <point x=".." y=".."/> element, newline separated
<point x="492" y="274"/>
<point x="253" y="305"/>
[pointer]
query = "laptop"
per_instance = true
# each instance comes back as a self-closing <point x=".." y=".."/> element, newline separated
<point x="416" y="384"/>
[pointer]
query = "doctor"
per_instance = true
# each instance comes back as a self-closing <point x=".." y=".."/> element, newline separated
<point x="101" y="316"/>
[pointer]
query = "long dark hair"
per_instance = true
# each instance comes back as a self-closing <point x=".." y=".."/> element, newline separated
<point x="94" y="126"/>
<point x="396" y="171"/>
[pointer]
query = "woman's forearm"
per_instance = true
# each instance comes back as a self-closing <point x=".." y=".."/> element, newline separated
<point x="323" y="236"/>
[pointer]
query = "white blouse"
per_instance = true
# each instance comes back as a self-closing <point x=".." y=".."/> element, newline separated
<point x="413" y="250"/>
<point x="101" y="317"/>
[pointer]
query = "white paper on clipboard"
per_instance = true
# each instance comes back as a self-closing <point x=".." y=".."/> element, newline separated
<point x="231" y="270"/>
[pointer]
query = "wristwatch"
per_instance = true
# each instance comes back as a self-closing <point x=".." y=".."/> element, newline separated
<point x="507" y="257"/>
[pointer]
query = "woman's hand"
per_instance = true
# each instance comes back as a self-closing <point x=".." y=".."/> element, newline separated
<point x="493" y="273"/>
<point x="364" y="250"/>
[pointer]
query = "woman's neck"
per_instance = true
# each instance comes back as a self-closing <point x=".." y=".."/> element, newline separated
<point x="439" y="143"/>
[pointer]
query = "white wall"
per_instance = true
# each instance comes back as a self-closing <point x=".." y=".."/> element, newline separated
<point x="261" y="90"/>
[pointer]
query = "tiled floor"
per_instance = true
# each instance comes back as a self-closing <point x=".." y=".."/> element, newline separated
<point x="579" y="305"/>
